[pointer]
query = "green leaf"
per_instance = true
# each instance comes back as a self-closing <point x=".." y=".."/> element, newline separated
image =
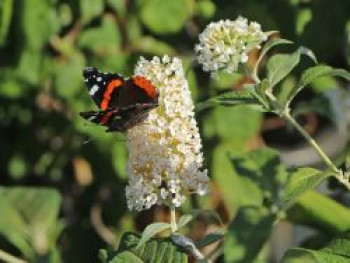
<point x="337" y="251"/>
<point x="272" y="43"/>
<point x="211" y="238"/>
<point x="231" y="98"/>
<point x="184" y="220"/>
<point x="267" y="46"/>
<point x="233" y="188"/>
<point x="247" y="234"/>
<point x="151" y="230"/>
<point x="6" y="10"/>
<point x="90" y="9"/>
<point x="118" y="6"/>
<point x="154" y="250"/>
<point x="148" y="44"/>
<point x="104" y="40"/>
<point x="205" y="8"/>
<point x="320" y="212"/>
<point x="302" y="180"/>
<point x="265" y="169"/>
<point x="279" y="66"/>
<point x="164" y="17"/>
<point x="38" y="22"/>
<point x="313" y="73"/>
<point x="30" y="215"/>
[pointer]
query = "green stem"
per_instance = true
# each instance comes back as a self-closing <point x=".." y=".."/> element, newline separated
<point x="312" y="142"/>
<point x="286" y="115"/>
<point x="173" y="219"/>
<point x="6" y="257"/>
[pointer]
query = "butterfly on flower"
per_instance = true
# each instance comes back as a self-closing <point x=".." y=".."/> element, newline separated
<point x="123" y="103"/>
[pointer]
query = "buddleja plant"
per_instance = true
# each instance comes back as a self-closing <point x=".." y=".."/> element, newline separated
<point x="165" y="158"/>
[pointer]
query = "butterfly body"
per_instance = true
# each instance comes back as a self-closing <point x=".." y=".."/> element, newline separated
<point x="123" y="103"/>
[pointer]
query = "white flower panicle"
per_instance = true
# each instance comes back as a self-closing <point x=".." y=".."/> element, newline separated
<point x="165" y="158"/>
<point x="225" y="44"/>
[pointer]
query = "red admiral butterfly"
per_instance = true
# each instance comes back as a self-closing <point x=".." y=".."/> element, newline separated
<point x="124" y="103"/>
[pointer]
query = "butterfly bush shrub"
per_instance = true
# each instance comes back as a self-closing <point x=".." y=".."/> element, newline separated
<point x="165" y="158"/>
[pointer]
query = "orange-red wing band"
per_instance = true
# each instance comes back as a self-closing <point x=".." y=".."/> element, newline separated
<point x="106" y="117"/>
<point x="146" y="85"/>
<point x="114" y="84"/>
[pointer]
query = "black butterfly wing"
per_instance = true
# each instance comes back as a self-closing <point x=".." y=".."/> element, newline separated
<point x="130" y="116"/>
<point x="102" y="117"/>
<point x="137" y="90"/>
<point x="104" y="88"/>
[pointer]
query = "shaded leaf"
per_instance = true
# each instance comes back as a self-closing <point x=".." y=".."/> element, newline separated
<point x="265" y="169"/>
<point x="211" y="238"/>
<point x="247" y="234"/>
<point x="151" y="230"/>
<point x="6" y="9"/>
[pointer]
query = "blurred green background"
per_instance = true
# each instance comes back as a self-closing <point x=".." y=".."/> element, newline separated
<point x="45" y="44"/>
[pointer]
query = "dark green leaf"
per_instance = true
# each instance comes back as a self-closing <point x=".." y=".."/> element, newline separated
<point x="164" y="17"/>
<point x="154" y="250"/>
<point x="279" y="66"/>
<point x="151" y="230"/>
<point x="6" y="9"/>
<point x="337" y="251"/>
<point x="247" y="234"/>
<point x="302" y="180"/>
<point x="211" y="238"/>
<point x="320" y="212"/>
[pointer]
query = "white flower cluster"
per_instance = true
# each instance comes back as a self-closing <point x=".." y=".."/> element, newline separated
<point x="225" y="44"/>
<point x="165" y="158"/>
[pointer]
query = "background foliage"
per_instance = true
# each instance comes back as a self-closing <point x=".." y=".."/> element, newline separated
<point x="57" y="190"/>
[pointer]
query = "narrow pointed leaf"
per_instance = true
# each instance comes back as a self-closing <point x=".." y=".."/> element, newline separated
<point x="184" y="220"/>
<point x="313" y="73"/>
<point x="231" y="98"/>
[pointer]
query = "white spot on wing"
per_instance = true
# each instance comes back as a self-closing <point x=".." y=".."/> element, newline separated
<point x="93" y="90"/>
<point x="92" y="118"/>
<point x="98" y="79"/>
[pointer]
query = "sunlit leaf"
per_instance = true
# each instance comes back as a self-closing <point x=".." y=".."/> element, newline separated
<point x="151" y="230"/>
<point x="170" y="15"/>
